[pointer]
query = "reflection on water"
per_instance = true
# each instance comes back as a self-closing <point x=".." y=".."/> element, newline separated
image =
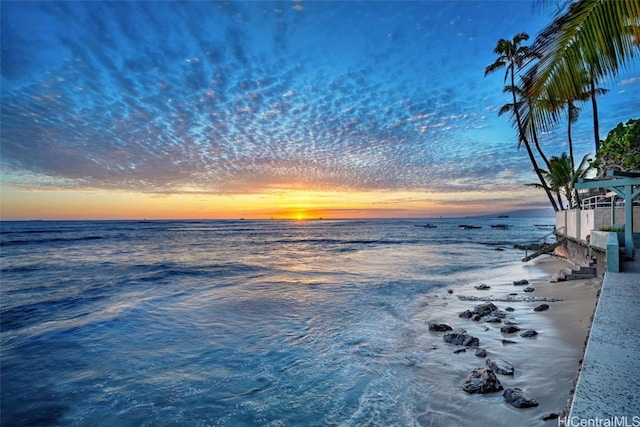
<point x="237" y="323"/>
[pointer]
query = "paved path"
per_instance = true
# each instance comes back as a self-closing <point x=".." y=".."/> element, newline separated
<point x="609" y="384"/>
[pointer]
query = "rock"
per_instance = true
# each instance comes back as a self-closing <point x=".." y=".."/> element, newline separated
<point x="520" y="282"/>
<point x="515" y="398"/>
<point x="499" y="313"/>
<point x="476" y="318"/>
<point x="484" y="309"/>
<point x="492" y="319"/>
<point x="528" y="289"/>
<point x="460" y="337"/>
<point x="509" y="329"/>
<point x="500" y="366"/>
<point x="529" y="333"/>
<point x="462" y="350"/>
<point x="505" y="342"/>
<point x="482" y="287"/>
<point x="449" y="291"/>
<point x="550" y="416"/>
<point x="439" y="327"/>
<point x="499" y="249"/>
<point x="513" y="294"/>
<point x="511" y="322"/>
<point x="541" y="307"/>
<point x="481" y="352"/>
<point x="467" y="314"/>
<point x="481" y="381"/>
<point x="510" y="309"/>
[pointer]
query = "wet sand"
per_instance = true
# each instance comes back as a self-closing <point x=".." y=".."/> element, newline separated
<point x="545" y="365"/>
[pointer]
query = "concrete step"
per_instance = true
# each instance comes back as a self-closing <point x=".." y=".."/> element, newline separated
<point x="579" y="276"/>
<point x="587" y="270"/>
<point x="571" y="274"/>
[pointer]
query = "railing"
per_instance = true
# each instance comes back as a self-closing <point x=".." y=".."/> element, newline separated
<point x="603" y="201"/>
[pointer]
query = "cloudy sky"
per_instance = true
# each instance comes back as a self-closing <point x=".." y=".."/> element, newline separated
<point x="268" y="109"/>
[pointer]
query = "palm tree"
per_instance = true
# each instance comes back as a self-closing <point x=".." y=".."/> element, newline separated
<point x="597" y="36"/>
<point x="513" y="57"/>
<point x="561" y="178"/>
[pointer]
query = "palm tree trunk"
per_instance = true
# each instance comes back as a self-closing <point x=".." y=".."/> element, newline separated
<point x="528" y="146"/>
<point x="594" y="104"/>
<point x="573" y="166"/>
<point x="537" y="144"/>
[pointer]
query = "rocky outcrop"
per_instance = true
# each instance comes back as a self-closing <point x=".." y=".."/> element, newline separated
<point x="481" y="352"/>
<point x="541" y="307"/>
<point x="481" y="381"/>
<point x="520" y="282"/>
<point x="529" y="333"/>
<point x="528" y="289"/>
<point x="467" y="314"/>
<point x="484" y="309"/>
<point x="500" y="366"/>
<point x="515" y="398"/>
<point x="482" y="287"/>
<point x="509" y="329"/>
<point x="439" y="327"/>
<point x="460" y="337"/>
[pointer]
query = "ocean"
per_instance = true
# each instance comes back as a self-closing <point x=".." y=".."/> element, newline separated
<point x="238" y="323"/>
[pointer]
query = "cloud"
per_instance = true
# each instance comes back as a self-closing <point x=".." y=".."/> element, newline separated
<point x="243" y="98"/>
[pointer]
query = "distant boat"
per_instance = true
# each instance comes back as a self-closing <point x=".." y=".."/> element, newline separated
<point x="469" y="227"/>
<point x="426" y="225"/>
<point x="500" y="226"/>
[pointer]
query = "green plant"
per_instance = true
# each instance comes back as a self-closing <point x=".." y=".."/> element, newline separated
<point x="621" y="150"/>
<point x="612" y="228"/>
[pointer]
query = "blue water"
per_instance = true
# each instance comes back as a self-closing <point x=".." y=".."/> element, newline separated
<point x="230" y="323"/>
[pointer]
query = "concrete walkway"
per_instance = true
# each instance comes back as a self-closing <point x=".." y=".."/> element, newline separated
<point x="608" y="387"/>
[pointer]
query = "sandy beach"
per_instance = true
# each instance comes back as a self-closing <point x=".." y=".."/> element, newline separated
<point x="545" y="365"/>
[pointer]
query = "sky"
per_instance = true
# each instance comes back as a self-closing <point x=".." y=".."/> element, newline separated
<point x="294" y="109"/>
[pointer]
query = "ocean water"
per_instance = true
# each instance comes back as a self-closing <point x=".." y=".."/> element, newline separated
<point x="236" y="323"/>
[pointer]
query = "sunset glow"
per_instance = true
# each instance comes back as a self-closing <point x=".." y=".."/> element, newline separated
<point x="257" y="110"/>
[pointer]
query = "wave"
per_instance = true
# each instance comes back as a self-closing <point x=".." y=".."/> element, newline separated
<point x="48" y="240"/>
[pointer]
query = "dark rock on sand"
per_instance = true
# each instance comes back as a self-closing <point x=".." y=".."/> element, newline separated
<point x="541" y="307"/>
<point x="500" y="366"/>
<point x="520" y="282"/>
<point x="550" y="416"/>
<point x="449" y="291"/>
<point x="509" y="309"/>
<point x="484" y="309"/>
<point x="467" y="314"/>
<point x="529" y="333"/>
<point x="481" y="352"/>
<point x="460" y="337"/>
<point x="505" y="342"/>
<point x="509" y="329"/>
<point x="481" y="380"/>
<point x="462" y="350"/>
<point x="514" y="397"/>
<point x="482" y="287"/>
<point x="439" y="327"/>
<point x="528" y="289"/>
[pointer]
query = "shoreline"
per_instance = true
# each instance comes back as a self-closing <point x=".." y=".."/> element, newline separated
<point x="546" y="365"/>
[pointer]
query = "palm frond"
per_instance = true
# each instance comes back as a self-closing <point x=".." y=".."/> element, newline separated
<point x="602" y="33"/>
